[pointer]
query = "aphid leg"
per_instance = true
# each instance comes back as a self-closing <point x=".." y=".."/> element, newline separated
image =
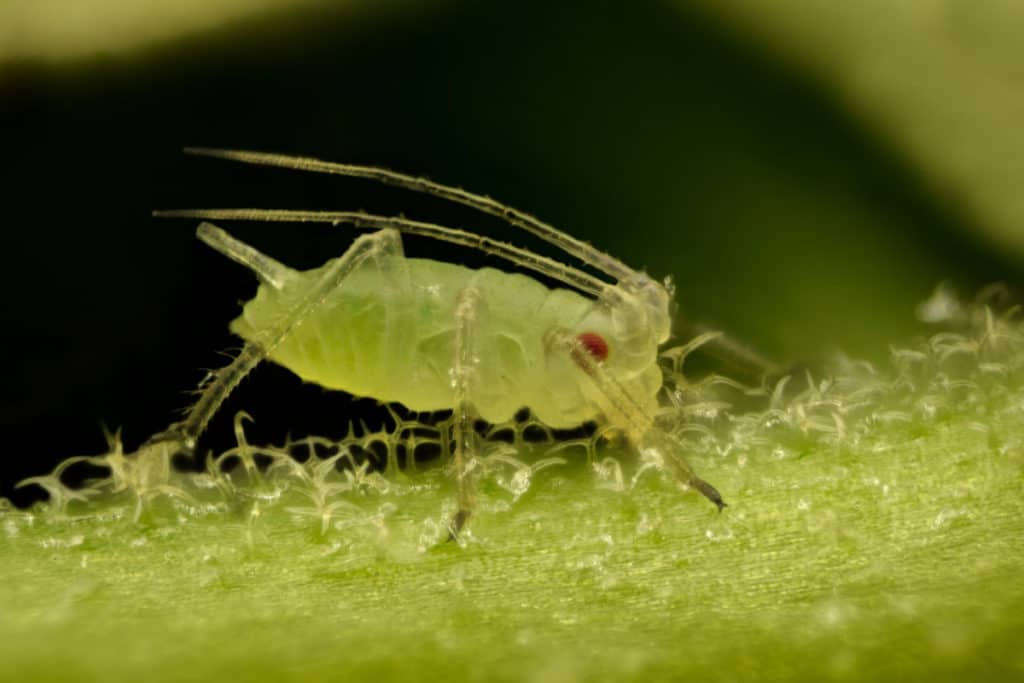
<point x="463" y="373"/>
<point x="268" y="270"/>
<point x="641" y="429"/>
<point x="736" y="356"/>
<point x="222" y="382"/>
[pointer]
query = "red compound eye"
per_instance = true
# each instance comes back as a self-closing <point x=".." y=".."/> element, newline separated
<point x="595" y="344"/>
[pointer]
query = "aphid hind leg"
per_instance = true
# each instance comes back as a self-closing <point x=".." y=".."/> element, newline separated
<point x="268" y="270"/>
<point x="220" y="383"/>
<point x="464" y="368"/>
<point x="631" y="415"/>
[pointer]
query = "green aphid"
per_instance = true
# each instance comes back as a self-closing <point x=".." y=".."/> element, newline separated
<point x="433" y="335"/>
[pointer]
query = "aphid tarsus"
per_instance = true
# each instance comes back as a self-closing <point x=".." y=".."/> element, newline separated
<point x="434" y="335"/>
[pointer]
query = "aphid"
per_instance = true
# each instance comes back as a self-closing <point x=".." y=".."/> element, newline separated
<point x="434" y="335"/>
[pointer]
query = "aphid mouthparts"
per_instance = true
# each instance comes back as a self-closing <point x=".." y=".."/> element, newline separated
<point x="375" y="323"/>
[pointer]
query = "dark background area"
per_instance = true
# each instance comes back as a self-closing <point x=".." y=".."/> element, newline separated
<point x="650" y="132"/>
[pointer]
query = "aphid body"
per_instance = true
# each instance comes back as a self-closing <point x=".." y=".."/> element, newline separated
<point x="434" y="335"/>
<point x="390" y="333"/>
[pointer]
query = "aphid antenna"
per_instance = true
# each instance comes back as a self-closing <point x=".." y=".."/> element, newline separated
<point x="232" y="248"/>
<point x="606" y="263"/>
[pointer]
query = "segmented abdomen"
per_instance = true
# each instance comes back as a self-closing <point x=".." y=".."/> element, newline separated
<point x="389" y="333"/>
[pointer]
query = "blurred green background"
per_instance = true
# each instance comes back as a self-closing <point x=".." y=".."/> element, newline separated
<point x="806" y="173"/>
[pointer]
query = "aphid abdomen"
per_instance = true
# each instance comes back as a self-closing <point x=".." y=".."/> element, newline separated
<point x="393" y="339"/>
<point x="346" y="341"/>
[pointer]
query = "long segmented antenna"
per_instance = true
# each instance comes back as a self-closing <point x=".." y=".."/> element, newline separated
<point x="523" y="257"/>
<point x="586" y="253"/>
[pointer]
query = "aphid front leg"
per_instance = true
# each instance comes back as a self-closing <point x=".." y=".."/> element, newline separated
<point x="639" y="425"/>
<point x="463" y="372"/>
<point x="221" y="383"/>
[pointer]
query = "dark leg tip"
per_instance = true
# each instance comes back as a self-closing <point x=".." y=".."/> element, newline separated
<point x="458" y="521"/>
<point x="709" y="492"/>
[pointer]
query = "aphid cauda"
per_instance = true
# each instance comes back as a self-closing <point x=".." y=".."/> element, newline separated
<point x="434" y="335"/>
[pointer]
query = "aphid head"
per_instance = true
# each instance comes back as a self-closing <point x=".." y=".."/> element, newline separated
<point x="632" y="319"/>
<point x="641" y="306"/>
<point x="622" y="335"/>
